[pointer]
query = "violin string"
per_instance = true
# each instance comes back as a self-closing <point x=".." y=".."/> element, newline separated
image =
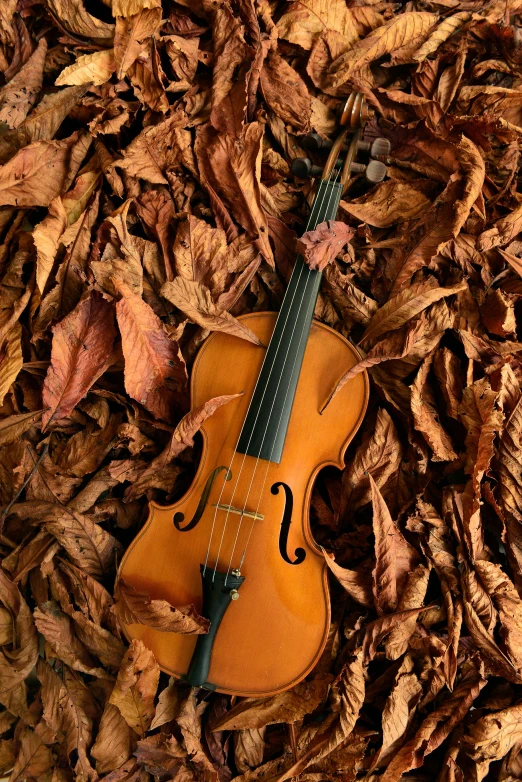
<point x="275" y="356"/>
<point x="312" y="217"/>
<point x="308" y="273"/>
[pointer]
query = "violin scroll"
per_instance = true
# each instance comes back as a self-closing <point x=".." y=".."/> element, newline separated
<point x="341" y="162"/>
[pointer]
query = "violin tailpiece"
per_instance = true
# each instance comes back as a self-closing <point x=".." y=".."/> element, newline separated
<point x="219" y="589"/>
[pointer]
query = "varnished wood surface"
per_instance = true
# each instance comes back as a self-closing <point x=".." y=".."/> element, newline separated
<point x="273" y="635"/>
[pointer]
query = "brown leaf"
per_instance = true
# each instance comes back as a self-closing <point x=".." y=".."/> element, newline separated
<point x="7" y="756"/>
<point x="491" y="737"/>
<point x="230" y="170"/>
<point x="17" y="659"/>
<point x="357" y="583"/>
<point x="287" y="707"/>
<point x="90" y="546"/>
<point x="136" y="686"/>
<point x="426" y="417"/>
<point x="502" y="232"/>
<point x="320" y="246"/>
<point x="394" y="557"/>
<point x="378" y="455"/>
<point x="445" y="29"/>
<point x="130" y="36"/>
<point x="41" y="171"/>
<point x="134" y="606"/>
<point x="114" y="743"/>
<point x="395" y="346"/>
<point x="76" y="19"/>
<point x="33" y="760"/>
<point x="155" y="373"/>
<point x="182" y="437"/>
<point x="194" y="299"/>
<point x="158" y="149"/>
<point x="285" y="92"/>
<point x="58" y="630"/>
<point x="11" y="360"/>
<point x="399" y="709"/>
<point x="414" y="587"/>
<point x="43" y="122"/>
<point x="427" y="236"/>
<point x="200" y="251"/>
<point x="349" y="687"/>
<point x="132" y="7"/>
<point x="377" y="630"/>
<point x="169" y="704"/>
<point x="81" y="347"/>
<point x="498" y="314"/>
<point x="390" y="202"/>
<point x="95" y="69"/>
<point x="437" y="725"/>
<point x="69" y="712"/>
<point x="303" y="24"/>
<point x="14" y="426"/>
<point x="406" y="305"/>
<point x="406" y="29"/>
<point x="19" y="95"/>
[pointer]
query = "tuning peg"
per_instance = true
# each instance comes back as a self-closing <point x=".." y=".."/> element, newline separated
<point x="375" y="172"/>
<point x="302" y="168"/>
<point x="314" y="141"/>
<point x="380" y="146"/>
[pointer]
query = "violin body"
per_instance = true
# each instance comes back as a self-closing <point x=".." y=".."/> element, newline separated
<point x="273" y="634"/>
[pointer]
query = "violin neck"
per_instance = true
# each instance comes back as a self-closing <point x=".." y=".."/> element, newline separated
<point x="264" y="429"/>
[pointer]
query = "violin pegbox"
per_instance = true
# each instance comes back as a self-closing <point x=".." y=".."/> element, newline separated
<point x="345" y="148"/>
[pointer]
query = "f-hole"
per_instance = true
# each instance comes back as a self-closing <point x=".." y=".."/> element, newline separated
<point x="180" y="517"/>
<point x="299" y="553"/>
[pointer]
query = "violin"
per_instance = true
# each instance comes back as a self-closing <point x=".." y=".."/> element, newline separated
<point x="238" y="545"/>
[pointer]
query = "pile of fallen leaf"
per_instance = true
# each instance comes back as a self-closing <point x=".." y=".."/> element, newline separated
<point x="146" y="200"/>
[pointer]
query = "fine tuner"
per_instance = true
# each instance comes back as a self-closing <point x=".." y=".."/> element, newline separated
<point x="238" y="545"/>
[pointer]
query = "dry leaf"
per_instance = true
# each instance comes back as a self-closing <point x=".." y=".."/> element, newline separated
<point x="409" y="28"/>
<point x="194" y="299"/>
<point x="73" y="15"/>
<point x="19" y="95"/>
<point x="286" y="93"/>
<point x="136" y="686"/>
<point x="320" y="246"/>
<point x="41" y="171"/>
<point x="95" y="68"/>
<point x="130" y="36"/>
<point x="133" y="606"/>
<point x="81" y="348"/>
<point x="301" y="25"/>
<point x="287" y="707"/>
<point x="390" y="202"/>
<point x="155" y="373"/>
<point x="447" y="28"/>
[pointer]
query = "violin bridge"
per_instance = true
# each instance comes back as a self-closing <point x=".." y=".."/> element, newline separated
<point x="249" y="514"/>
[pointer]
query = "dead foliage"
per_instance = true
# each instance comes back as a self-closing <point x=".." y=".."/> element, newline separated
<point x="146" y="200"/>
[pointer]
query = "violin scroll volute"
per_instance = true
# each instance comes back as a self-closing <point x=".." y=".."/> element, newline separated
<point x="354" y="116"/>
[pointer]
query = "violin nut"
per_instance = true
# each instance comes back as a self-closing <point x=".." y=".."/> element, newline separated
<point x="234" y="594"/>
<point x="375" y="171"/>
<point x="381" y="146"/>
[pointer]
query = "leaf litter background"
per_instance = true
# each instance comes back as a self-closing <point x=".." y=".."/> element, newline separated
<point x="145" y="201"/>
